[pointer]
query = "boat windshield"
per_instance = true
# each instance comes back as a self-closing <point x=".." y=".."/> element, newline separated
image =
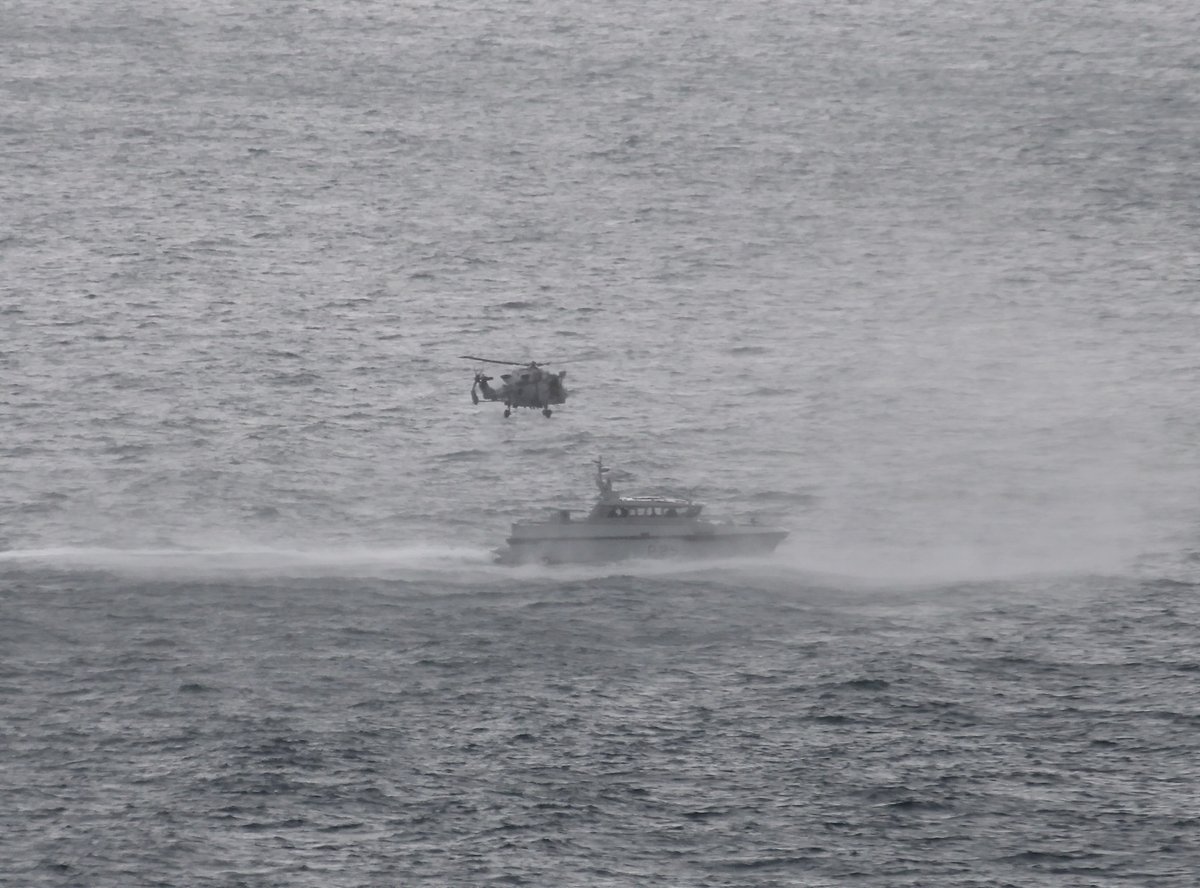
<point x="659" y="511"/>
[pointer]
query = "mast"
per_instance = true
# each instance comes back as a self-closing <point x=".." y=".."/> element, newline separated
<point x="605" y="484"/>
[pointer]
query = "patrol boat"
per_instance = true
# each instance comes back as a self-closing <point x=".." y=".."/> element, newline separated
<point x="621" y="527"/>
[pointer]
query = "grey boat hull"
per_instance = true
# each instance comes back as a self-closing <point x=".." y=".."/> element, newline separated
<point x="735" y="542"/>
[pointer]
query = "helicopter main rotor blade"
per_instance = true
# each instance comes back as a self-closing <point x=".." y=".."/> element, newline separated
<point x="574" y="359"/>
<point x="493" y="361"/>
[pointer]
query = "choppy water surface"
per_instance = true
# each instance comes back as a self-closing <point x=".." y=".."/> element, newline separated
<point x="919" y="284"/>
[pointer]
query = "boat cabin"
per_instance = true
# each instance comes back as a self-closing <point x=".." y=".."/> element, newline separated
<point x="644" y="508"/>
<point x="612" y="505"/>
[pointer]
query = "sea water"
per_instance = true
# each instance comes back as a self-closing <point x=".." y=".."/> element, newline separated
<point x="919" y="283"/>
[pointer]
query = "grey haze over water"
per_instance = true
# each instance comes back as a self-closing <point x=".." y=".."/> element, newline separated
<point x="919" y="283"/>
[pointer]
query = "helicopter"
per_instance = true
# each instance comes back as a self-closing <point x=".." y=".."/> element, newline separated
<point x="531" y="386"/>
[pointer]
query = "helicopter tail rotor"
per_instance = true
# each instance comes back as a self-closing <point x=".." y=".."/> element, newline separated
<point x="480" y="383"/>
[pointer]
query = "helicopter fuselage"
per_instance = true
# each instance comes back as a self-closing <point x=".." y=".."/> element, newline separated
<point x="529" y="386"/>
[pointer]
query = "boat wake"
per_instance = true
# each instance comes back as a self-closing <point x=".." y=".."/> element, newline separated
<point x="433" y="561"/>
<point x="399" y="562"/>
<point x="795" y="564"/>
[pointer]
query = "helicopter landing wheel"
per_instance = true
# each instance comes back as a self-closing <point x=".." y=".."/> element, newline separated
<point x="507" y="413"/>
<point x="546" y="411"/>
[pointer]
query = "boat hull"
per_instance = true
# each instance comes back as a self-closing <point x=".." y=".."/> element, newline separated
<point x="607" y="548"/>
